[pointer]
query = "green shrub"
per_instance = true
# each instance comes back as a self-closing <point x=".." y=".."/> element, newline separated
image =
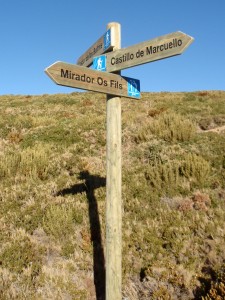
<point x="59" y="220"/>
<point x="167" y="126"/>
<point x="196" y="169"/>
<point x="170" y="177"/>
<point x="20" y="254"/>
<point x="29" y="218"/>
<point x="164" y="177"/>
<point x="173" y="127"/>
<point x="67" y="249"/>
<point x="30" y="163"/>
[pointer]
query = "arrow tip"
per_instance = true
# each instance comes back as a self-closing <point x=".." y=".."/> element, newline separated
<point x="50" y="71"/>
<point x="187" y="35"/>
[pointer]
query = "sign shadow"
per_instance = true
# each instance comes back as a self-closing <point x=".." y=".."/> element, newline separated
<point x="91" y="183"/>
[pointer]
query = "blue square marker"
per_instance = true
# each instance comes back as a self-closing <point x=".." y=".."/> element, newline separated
<point x="133" y="87"/>
<point x="107" y="39"/>
<point x="99" y="63"/>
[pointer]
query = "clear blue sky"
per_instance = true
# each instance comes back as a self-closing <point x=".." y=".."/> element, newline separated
<point x="35" y="34"/>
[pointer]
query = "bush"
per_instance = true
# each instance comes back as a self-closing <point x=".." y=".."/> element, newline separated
<point x="59" y="220"/>
<point x="21" y="254"/>
<point x="164" y="177"/>
<point x="32" y="163"/>
<point x="196" y="169"/>
<point x="171" y="177"/>
<point x="173" y="127"/>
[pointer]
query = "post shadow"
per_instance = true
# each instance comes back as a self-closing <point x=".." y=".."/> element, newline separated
<point x="91" y="183"/>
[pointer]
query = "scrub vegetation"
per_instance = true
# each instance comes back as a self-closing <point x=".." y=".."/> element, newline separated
<point x="52" y="196"/>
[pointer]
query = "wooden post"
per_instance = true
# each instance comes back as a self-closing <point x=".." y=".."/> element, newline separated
<point x="113" y="190"/>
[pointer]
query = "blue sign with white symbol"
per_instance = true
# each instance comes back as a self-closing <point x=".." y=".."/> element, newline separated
<point x="133" y="87"/>
<point x="107" y="39"/>
<point x="99" y="63"/>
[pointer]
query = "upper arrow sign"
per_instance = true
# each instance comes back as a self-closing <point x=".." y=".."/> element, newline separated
<point x="84" y="78"/>
<point x="103" y="44"/>
<point x="158" y="48"/>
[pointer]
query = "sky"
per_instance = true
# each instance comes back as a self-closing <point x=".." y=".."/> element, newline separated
<point x="35" y="34"/>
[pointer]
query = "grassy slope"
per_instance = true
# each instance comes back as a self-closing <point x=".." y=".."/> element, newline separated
<point x="52" y="195"/>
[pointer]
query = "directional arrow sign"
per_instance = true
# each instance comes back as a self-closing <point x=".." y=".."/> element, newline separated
<point x="103" y="44"/>
<point x="158" y="48"/>
<point x="84" y="78"/>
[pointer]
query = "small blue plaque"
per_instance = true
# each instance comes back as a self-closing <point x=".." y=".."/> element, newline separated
<point x="99" y="63"/>
<point x="133" y="87"/>
<point x="107" y="39"/>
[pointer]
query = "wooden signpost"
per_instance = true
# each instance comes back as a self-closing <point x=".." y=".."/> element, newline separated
<point x="113" y="259"/>
<point x="79" y="76"/>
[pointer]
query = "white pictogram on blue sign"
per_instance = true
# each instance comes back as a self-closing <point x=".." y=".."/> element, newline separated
<point x="99" y="63"/>
<point x="107" y="39"/>
<point x="133" y="87"/>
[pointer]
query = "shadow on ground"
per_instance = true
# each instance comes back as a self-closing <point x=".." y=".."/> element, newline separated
<point x="91" y="183"/>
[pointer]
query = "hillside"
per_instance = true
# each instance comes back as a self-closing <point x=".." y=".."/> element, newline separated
<point x="52" y="196"/>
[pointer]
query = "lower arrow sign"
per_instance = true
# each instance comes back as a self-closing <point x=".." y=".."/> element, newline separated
<point x="84" y="78"/>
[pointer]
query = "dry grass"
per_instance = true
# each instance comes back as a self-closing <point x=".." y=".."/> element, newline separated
<point x="52" y="196"/>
